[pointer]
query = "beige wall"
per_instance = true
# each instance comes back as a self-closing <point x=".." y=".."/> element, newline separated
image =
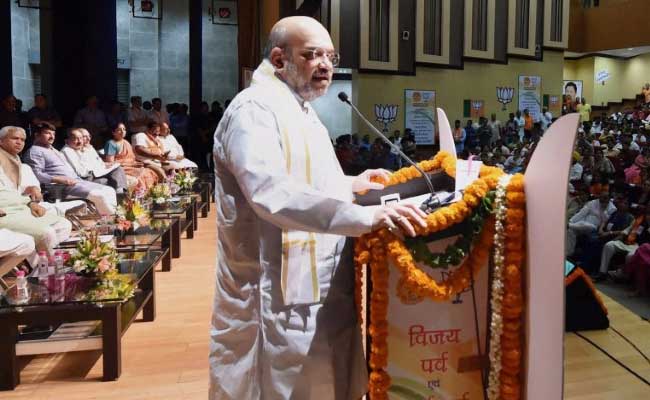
<point x="477" y="81"/>
<point x="626" y="77"/>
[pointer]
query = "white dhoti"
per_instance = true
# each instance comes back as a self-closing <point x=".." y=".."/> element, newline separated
<point x="15" y="247"/>
<point x="104" y="198"/>
<point x="613" y="247"/>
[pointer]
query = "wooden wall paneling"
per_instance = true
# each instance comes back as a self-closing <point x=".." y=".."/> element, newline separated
<point x="457" y="34"/>
<point x="533" y="20"/>
<point x="488" y="53"/>
<point x="501" y="31"/>
<point x="548" y="17"/>
<point x="446" y="32"/>
<point x="365" y="63"/>
<point x="348" y="28"/>
<point x="248" y="40"/>
<point x="407" y="33"/>
<point x="539" y="31"/>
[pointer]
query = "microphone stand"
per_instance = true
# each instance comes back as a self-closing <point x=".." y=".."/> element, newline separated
<point x="432" y="202"/>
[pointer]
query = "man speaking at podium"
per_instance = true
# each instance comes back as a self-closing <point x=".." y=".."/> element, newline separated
<point x="284" y="324"/>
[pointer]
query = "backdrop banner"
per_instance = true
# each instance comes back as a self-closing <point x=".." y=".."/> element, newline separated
<point x="530" y="95"/>
<point x="419" y="114"/>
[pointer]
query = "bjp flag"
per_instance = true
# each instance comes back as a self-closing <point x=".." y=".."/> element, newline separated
<point x="477" y="109"/>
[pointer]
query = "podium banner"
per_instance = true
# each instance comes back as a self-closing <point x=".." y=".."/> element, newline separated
<point x="433" y="345"/>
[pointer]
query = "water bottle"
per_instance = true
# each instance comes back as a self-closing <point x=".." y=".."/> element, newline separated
<point x="22" y="292"/>
<point x="59" y="276"/>
<point x="42" y="268"/>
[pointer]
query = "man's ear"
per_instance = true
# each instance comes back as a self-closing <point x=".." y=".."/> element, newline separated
<point x="276" y="58"/>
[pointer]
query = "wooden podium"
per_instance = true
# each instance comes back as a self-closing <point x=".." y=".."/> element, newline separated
<point x="439" y="350"/>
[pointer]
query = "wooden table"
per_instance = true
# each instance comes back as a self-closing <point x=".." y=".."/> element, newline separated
<point x="115" y="316"/>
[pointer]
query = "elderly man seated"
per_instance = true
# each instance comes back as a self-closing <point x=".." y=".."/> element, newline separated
<point x="176" y="156"/>
<point x="88" y="165"/>
<point x="150" y="151"/>
<point x="50" y="166"/>
<point x="20" y="214"/>
<point x="14" y="175"/>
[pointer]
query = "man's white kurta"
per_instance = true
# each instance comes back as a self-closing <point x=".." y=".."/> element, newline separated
<point x="261" y="348"/>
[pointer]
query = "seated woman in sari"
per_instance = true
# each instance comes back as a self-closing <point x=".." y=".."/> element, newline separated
<point x="119" y="150"/>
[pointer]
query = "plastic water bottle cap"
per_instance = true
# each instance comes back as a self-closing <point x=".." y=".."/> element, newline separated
<point x="42" y="253"/>
<point x="20" y="274"/>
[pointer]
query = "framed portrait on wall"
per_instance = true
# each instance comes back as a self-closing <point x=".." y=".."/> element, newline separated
<point x="223" y="12"/>
<point x="572" y="89"/>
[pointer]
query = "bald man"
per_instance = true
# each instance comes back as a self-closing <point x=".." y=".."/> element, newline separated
<point x="284" y="324"/>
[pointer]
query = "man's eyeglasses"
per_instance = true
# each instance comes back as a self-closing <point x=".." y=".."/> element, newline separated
<point x="312" y="54"/>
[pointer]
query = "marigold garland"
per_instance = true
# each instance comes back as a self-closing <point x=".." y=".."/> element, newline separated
<point x="512" y="307"/>
<point x="375" y="249"/>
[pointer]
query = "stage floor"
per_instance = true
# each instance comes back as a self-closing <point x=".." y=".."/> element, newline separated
<point x="168" y="358"/>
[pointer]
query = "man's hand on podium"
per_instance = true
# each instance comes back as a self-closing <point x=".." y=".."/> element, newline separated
<point x="363" y="182"/>
<point x="404" y="215"/>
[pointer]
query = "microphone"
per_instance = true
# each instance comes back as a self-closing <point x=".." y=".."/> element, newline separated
<point x="432" y="202"/>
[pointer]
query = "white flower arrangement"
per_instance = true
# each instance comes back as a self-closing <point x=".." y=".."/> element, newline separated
<point x="496" y="323"/>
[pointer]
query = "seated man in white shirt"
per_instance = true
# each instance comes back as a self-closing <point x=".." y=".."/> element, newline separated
<point x="51" y="167"/>
<point x="88" y="165"/>
<point x="588" y="219"/>
<point x="149" y="150"/>
<point x="176" y="156"/>
<point x="18" y="176"/>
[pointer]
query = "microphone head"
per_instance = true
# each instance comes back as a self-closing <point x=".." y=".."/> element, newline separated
<point x="343" y="97"/>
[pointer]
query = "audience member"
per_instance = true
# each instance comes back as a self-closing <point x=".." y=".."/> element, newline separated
<point x="150" y="151"/>
<point x="19" y="213"/>
<point x="137" y="117"/>
<point x="157" y="113"/>
<point x="8" y="114"/>
<point x="19" y="177"/>
<point x="42" y="112"/>
<point x="201" y="141"/>
<point x="638" y="234"/>
<point x="116" y="114"/>
<point x="179" y="122"/>
<point x="521" y="123"/>
<point x="119" y="150"/>
<point x="460" y="136"/>
<point x="176" y="155"/>
<point x="546" y="118"/>
<point x="484" y="133"/>
<point x="93" y="119"/>
<point x="588" y="219"/>
<point x="50" y="166"/>
<point x="584" y="109"/>
<point x="528" y="124"/>
<point x="409" y="146"/>
<point x="88" y="165"/>
<point x="645" y="92"/>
